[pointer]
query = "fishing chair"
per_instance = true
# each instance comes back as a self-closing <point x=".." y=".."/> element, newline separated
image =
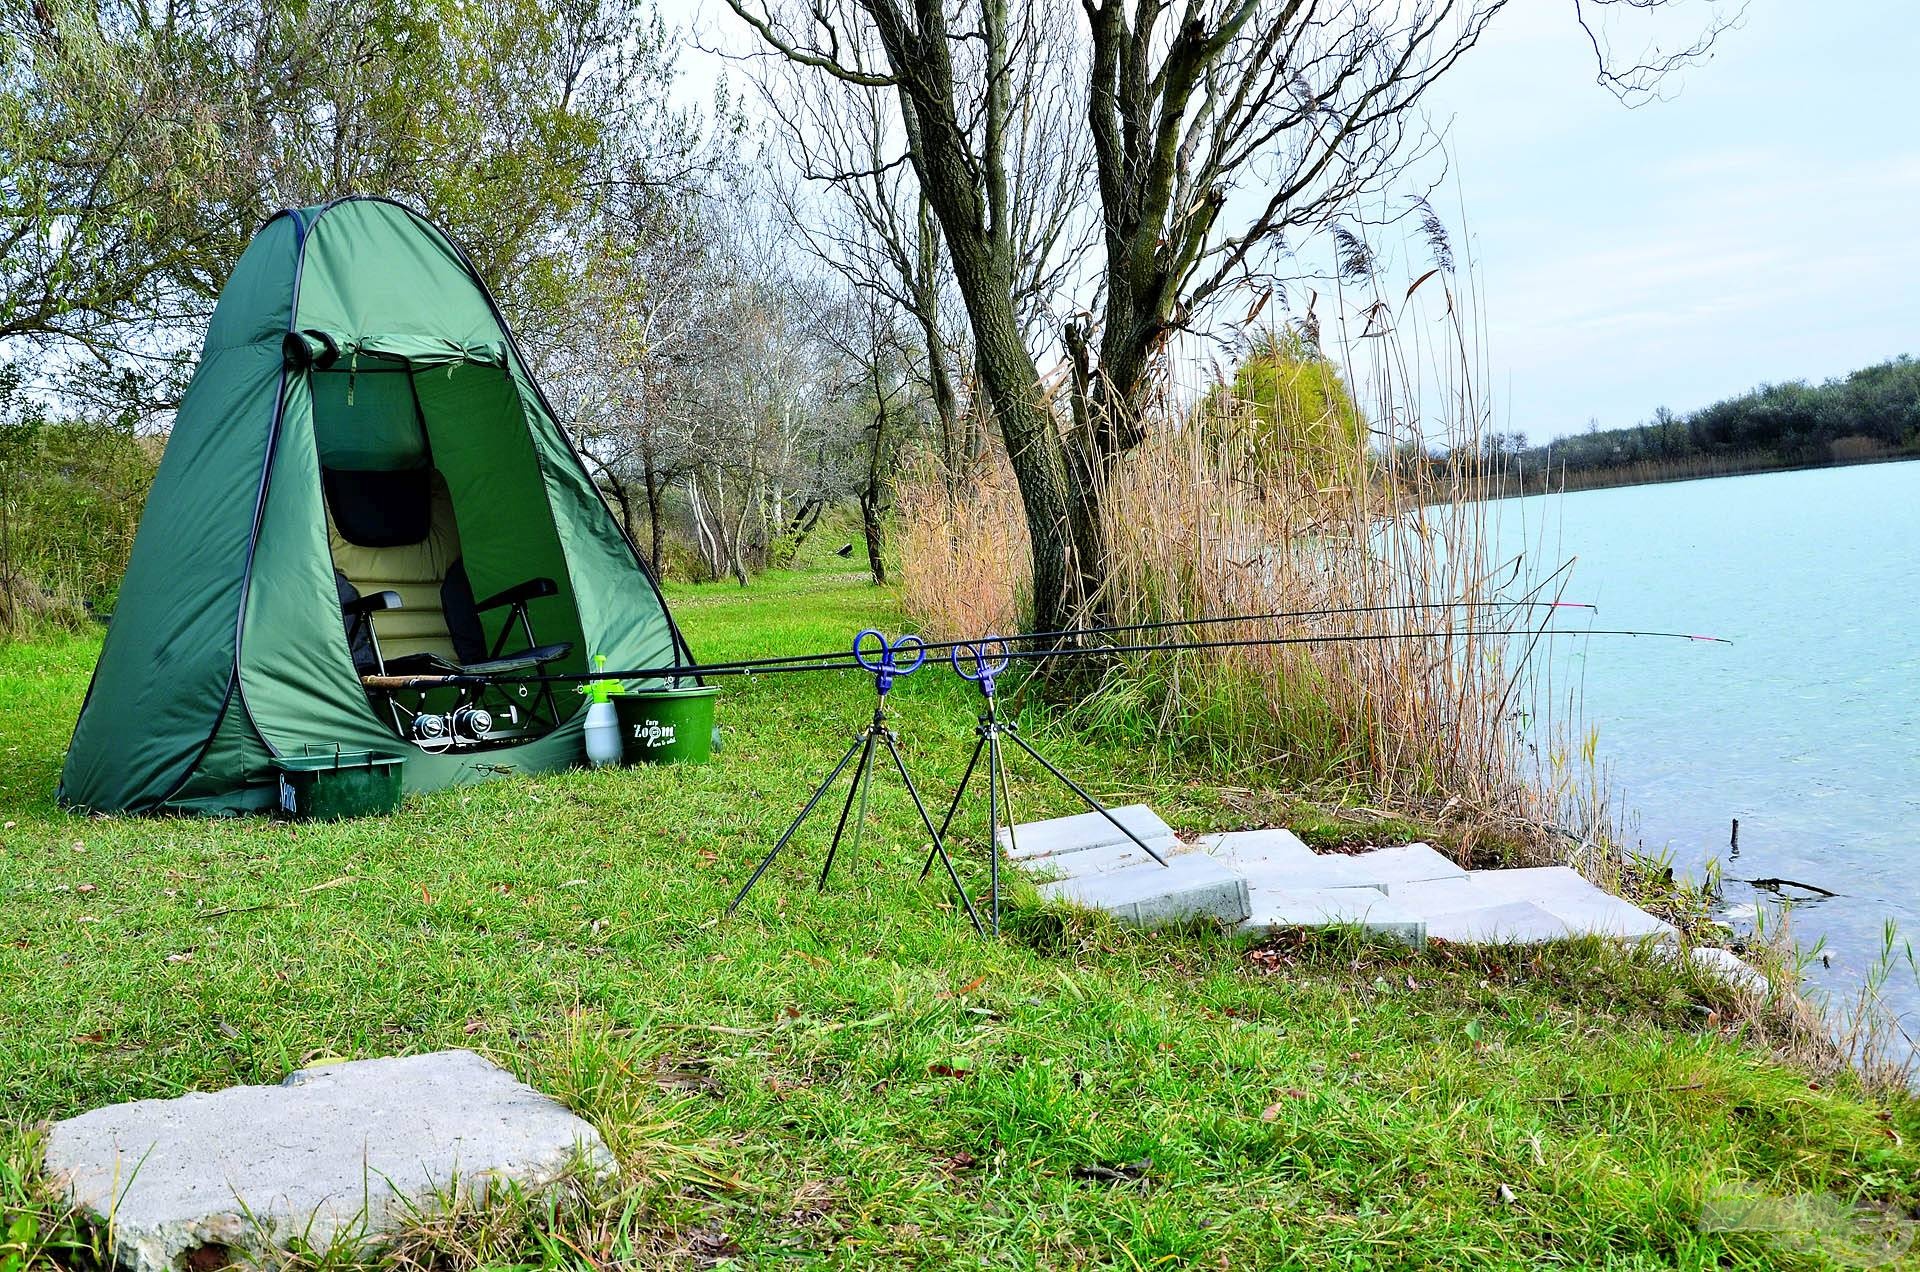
<point x="396" y="551"/>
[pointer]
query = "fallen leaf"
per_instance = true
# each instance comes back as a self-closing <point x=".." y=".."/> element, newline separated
<point x="964" y="990"/>
<point x="954" y="1163"/>
<point x="426" y="898"/>
<point x="948" y="1071"/>
<point x="85" y="887"/>
<point x="1269" y="1113"/>
<point x="473" y="1026"/>
<point x="184" y="956"/>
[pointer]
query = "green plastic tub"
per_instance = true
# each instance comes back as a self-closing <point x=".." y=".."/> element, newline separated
<point x="667" y="726"/>
<point x="330" y="785"/>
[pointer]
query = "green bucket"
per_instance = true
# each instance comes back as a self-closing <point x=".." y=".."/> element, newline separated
<point x="666" y="726"/>
<point x="329" y="785"/>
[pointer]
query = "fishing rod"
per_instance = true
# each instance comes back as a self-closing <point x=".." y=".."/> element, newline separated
<point x="847" y="662"/>
<point x="837" y="661"/>
<point x="944" y="646"/>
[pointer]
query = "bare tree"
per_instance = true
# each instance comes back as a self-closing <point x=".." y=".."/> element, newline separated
<point x="1216" y="127"/>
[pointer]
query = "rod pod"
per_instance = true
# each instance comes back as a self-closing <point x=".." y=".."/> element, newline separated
<point x="981" y="663"/>
<point x="886" y="666"/>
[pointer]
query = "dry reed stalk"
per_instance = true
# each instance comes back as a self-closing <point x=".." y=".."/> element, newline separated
<point x="1214" y="516"/>
<point x="964" y="561"/>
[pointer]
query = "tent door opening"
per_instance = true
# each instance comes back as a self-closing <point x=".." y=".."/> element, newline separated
<point x="444" y="549"/>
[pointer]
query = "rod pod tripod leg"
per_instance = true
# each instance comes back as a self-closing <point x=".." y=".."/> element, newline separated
<point x="989" y="732"/>
<point x="874" y="735"/>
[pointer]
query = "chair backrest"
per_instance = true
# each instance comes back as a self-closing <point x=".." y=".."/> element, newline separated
<point x="368" y="514"/>
<point x="359" y="633"/>
<point x="463" y="619"/>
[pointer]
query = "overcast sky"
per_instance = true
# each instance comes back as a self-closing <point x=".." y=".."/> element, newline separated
<point x="1761" y="224"/>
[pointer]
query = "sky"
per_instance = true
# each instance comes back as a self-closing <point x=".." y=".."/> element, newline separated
<point x="1757" y="224"/>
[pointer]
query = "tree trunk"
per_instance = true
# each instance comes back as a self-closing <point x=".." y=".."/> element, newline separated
<point x="653" y="520"/>
<point x="870" y="495"/>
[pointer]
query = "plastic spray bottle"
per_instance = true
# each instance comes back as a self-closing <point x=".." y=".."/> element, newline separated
<point x="603" y="724"/>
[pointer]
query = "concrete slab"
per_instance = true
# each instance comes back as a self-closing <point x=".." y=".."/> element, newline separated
<point x="1082" y="831"/>
<point x="1379" y="869"/>
<point x="1505" y="923"/>
<point x="331" y="1153"/>
<point x="1373" y="912"/>
<point x="1102" y="860"/>
<point x="1731" y="968"/>
<point x="1193" y="886"/>
<point x="1492" y="886"/>
<point x="1559" y="891"/>
<point x="1603" y="914"/>
<point x="1246" y="848"/>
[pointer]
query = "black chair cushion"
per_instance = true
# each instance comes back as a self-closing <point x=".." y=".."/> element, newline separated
<point x="359" y="629"/>
<point x="463" y="618"/>
<point x="526" y="660"/>
<point x="380" y="507"/>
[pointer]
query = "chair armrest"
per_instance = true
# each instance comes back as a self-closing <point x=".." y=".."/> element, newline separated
<point x="521" y="592"/>
<point x="372" y="602"/>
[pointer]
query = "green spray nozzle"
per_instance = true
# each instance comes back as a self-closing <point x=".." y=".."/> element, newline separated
<point x="599" y="690"/>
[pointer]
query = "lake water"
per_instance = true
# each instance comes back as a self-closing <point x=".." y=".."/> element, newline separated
<point x="1807" y="728"/>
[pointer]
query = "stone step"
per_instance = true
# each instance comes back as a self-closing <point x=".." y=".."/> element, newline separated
<point x="1082" y="831"/>
<point x="1500" y="923"/>
<point x="1367" y="909"/>
<point x="1380" y="869"/>
<point x="1191" y="886"/>
<point x="1102" y="860"/>
<point x="1731" y="968"/>
<point x="337" y="1152"/>
<point x="1245" y="848"/>
<point x="1486" y="900"/>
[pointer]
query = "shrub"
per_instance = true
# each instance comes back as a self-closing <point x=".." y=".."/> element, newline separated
<point x="70" y="501"/>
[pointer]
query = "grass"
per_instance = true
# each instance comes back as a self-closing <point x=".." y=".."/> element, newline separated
<point x="853" y="1078"/>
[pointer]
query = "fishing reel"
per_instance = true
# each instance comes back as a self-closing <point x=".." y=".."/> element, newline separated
<point x="465" y="725"/>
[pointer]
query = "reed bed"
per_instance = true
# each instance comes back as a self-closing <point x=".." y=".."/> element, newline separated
<point x="1268" y="506"/>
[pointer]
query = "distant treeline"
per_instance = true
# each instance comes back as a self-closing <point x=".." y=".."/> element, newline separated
<point x="1872" y="414"/>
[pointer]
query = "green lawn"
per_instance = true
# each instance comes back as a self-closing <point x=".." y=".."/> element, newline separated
<point x="855" y="1078"/>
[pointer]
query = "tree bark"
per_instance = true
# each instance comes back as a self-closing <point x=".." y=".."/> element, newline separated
<point x="871" y="494"/>
<point x="653" y="520"/>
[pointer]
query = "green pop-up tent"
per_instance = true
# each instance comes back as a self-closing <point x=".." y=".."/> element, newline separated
<point x="361" y="423"/>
